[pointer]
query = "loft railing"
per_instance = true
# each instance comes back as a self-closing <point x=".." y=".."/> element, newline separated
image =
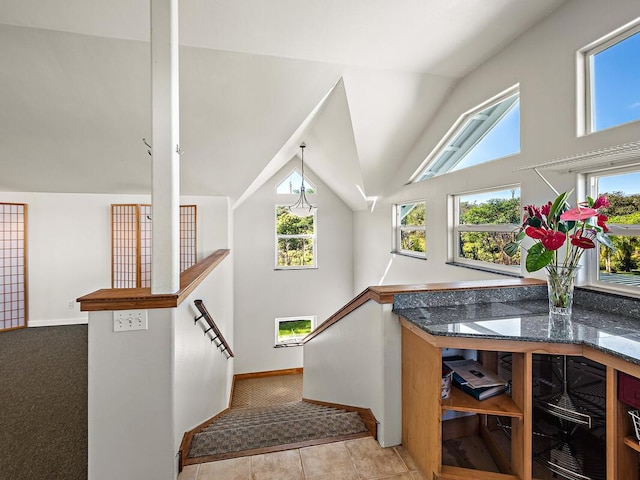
<point x="216" y="336"/>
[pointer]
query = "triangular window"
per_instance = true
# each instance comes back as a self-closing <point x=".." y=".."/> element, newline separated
<point x="486" y="133"/>
<point x="291" y="184"/>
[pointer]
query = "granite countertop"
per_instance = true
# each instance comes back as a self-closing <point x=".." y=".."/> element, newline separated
<point x="525" y="318"/>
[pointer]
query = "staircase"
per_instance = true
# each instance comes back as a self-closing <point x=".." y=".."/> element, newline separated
<point x="248" y="431"/>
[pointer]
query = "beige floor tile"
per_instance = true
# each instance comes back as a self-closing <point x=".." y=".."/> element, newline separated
<point x="327" y="462"/>
<point x="402" y="476"/>
<point x="406" y="458"/>
<point x="277" y="466"/>
<point x="418" y="476"/>
<point x="232" y="469"/>
<point x="373" y="461"/>
<point x="189" y="472"/>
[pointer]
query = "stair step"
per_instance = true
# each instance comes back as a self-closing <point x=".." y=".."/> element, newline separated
<point x="266" y="415"/>
<point x="239" y="438"/>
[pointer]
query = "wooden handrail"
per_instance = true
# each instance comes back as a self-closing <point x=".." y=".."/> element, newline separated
<point x="384" y="294"/>
<point x="142" y="298"/>
<point x="204" y="313"/>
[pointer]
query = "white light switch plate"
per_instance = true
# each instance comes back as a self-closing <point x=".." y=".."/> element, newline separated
<point x="128" y="320"/>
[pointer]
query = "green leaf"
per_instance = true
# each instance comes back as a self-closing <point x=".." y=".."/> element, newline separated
<point x="534" y="222"/>
<point x="605" y="240"/>
<point x="558" y="205"/>
<point x="511" y="248"/>
<point x="520" y="236"/>
<point x="538" y="257"/>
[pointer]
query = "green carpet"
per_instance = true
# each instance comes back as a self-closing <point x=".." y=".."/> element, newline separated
<point x="43" y="403"/>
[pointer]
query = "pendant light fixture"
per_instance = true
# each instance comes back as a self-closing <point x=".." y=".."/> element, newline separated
<point x="302" y="208"/>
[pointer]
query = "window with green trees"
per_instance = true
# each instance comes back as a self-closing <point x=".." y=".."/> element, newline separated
<point x="483" y="224"/>
<point x="291" y="330"/>
<point x="410" y="226"/>
<point x="619" y="268"/>
<point x="295" y="239"/>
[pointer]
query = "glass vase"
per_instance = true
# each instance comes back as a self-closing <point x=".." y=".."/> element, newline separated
<point x="560" y="282"/>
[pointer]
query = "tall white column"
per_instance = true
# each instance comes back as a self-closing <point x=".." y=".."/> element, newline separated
<point x="165" y="110"/>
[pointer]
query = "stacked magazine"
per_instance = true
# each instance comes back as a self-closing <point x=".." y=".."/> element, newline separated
<point x="474" y="379"/>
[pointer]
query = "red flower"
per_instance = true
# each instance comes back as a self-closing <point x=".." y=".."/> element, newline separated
<point x="601" y="222"/>
<point x="546" y="209"/>
<point x="536" y="233"/>
<point x="581" y="241"/>
<point x="601" y="202"/>
<point x="553" y="240"/>
<point x="578" y="214"/>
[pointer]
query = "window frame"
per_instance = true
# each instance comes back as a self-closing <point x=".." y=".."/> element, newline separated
<point x="439" y="167"/>
<point x="278" y="343"/>
<point x="313" y="237"/>
<point x="455" y="229"/>
<point x="398" y="228"/>
<point x="585" y="67"/>
<point x="592" y="258"/>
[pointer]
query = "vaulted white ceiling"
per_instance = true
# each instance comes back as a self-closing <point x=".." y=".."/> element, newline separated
<point x="357" y="80"/>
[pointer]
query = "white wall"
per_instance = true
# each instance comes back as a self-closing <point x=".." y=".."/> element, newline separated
<point x="69" y="246"/>
<point x="130" y="421"/>
<point x="357" y="362"/>
<point x="263" y="294"/>
<point x="543" y="62"/>
<point x="147" y="388"/>
<point x="203" y="375"/>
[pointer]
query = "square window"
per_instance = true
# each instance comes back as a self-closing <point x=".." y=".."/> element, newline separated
<point x="291" y="330"/>
<point x="484" y="222"/>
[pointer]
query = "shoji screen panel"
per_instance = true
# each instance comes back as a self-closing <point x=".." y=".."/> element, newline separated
<point x="188" y="217"/>
<point x="13" y="266"/>
<point x="131" y="229"/>
<point x="125" y="237"/>
<point x="145" y="245"/>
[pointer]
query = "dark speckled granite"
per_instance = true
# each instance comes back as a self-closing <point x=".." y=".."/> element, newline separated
<point x="606" y="322"/>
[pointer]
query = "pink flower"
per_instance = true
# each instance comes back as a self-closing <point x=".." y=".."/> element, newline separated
<point x="578" y="214"/>
<point x="601" y="202"/>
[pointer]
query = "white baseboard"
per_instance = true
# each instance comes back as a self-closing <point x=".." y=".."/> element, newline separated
<point x="58" y="322"/>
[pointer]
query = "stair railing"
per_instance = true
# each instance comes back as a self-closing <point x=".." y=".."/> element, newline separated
<point x="217" y="338"/>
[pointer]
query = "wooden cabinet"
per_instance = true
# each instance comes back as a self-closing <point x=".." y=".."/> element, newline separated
<point x="423" y="408"/>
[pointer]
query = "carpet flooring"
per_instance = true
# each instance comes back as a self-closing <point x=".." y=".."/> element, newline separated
<point x="43" y="403"/>
<point x="266" y="391"/>
<point x="267" y="413"/>
<point x="248" y="429"/>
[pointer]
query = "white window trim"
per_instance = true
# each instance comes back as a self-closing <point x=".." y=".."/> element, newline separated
<point x="592" y="258"/>
<point x="277" y="343"/>
<point x="585" y="75"/>
<point x="455" y="128"/>
<point x="313" y="237"/>
<point x="455" y="229"/>
<point x="398" y="228"/>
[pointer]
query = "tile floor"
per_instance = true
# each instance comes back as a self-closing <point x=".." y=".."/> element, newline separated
<point x="359" y="459"/>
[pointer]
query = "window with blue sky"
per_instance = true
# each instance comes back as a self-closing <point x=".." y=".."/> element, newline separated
<point x="614" y="80"/>
<point x="488" y="132"/>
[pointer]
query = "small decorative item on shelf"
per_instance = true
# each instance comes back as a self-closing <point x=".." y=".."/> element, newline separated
<point x="553" y="226"/>
<point x="635" y="415"/>
<point x="446" y="382"/>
